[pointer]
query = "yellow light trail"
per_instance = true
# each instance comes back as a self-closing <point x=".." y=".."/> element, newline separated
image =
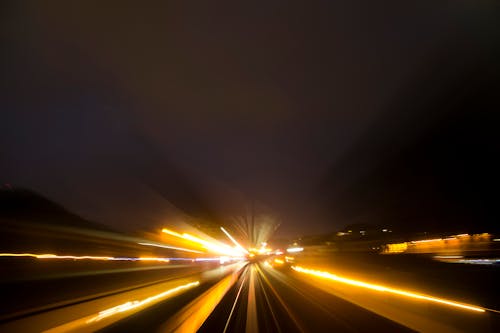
<point x="170" y="232"/>
<point x="220" y="249"/>
<point x="234" y="241"/>
<point x="55" y="256"/>
<point x="170" y="247"/>
<point x="135" y="304"/>
<point x="376" y="287"/>
<point x="96" y="321"/>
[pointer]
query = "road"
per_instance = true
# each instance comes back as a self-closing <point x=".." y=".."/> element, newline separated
<point x="275" y="302"/>
<point x="264" y="296"/>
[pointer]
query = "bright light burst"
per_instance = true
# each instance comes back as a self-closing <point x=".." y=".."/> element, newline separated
<point x="294" y="249"/>
<point x="215" y="247"/>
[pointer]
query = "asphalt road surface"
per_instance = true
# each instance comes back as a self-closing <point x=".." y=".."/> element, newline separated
<point x="69" y="296"/>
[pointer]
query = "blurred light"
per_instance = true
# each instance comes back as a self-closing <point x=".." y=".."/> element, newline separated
<point x="461" y="260"/>
<point x="135" y="304"/>
<point x="192" y="316"/>
<point x="153" y="259"/>
<point x="209" y="245"/>
<point x="376" y="287"/>
<point x="396" y="248"/>
<point x="458" y="242"/>
<point x="448" y="257"/>
<point x="279" y="261"/>
<point x="264" y="250"/>
<point x="170" y="247"/>
<point x="170" y="232"/>
<point x="427" y="241"/>
<point x="294" y="249"/>
<point x="55" y="256"/>
<point x="234" y="241"/>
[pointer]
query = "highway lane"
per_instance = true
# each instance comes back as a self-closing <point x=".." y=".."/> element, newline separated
<point x="29" y="287"/>
<point x="90" y="315"/>
<point x="281" y="299"/>
<point x="275" y="302"/>
<point x="262" y="300"/>
<point x="266" y="296"/>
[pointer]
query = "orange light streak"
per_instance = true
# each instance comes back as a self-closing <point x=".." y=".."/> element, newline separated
<point x="214" y="247"/>
<point x="135" y="304"/>
<point x="55" y="256"/>
<point x="381" y="288"/>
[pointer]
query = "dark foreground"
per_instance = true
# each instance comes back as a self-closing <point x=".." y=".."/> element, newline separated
<point x="265" y="296"/>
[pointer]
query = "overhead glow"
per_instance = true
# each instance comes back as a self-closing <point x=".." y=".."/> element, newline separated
<point x="381" y="288"/>
<point x="295" y="249"/>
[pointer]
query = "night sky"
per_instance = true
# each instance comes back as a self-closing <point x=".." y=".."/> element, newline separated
<point x="319" y="114"/>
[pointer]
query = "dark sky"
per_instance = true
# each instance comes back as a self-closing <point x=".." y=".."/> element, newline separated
<point x="321" y="113"/>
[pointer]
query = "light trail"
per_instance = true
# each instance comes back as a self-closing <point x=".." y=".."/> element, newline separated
<point x="135" y="304"/>
<point x="295" y="249"/>
<point x="234" y="304"/>
<point x="55" y="256"/>
<point x="214" y="247"/>
<point x="456" y="242"/>
<point x="234" y="240"/>
<point x="191" y="317"/>
<point x="96" y="321"/>
<point x="170" y="247"/>
<point x="357" y="283"/>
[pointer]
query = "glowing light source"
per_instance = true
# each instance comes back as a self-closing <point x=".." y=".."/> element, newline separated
<point x="381" y="288"/>
<point x="396" y="248"/>
<point x="209" y="245"/>
<point x="294" y="249"/>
